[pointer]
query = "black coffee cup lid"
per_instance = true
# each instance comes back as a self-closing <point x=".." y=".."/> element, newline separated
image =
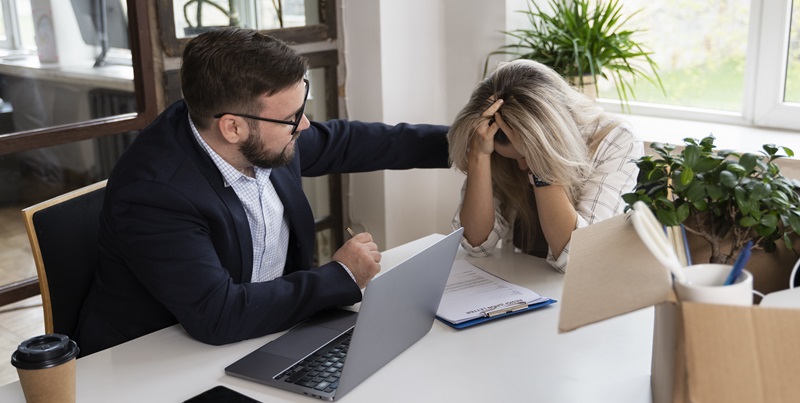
<point x="44" y="351"/>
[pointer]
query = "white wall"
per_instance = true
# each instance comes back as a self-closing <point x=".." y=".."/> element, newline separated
<point x="412" y="61"/>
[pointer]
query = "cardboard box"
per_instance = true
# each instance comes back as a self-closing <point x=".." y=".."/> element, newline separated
<point x="701" y="352"/>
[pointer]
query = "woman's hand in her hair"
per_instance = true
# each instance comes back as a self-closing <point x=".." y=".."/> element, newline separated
<point x="483" y="139"/>
<point x="512" y="136"/>
<point x="477" y="206"/>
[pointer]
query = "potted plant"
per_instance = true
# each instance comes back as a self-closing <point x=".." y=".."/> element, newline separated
<point x="725" y="197"/>
<point x="583" y="42"/>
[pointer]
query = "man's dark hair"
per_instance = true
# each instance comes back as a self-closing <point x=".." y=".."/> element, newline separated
<point x="227" y="70"/>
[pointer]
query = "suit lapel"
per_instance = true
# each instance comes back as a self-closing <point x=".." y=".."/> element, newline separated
<point x="203" y="161"/>
<point x="299" y="216"/>
<point x="236" y="211"/>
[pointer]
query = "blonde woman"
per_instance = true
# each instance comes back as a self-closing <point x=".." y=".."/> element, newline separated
<point x="541" y="160"/>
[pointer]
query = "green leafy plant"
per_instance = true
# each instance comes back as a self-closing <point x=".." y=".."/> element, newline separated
<point x="578" y="40"/>
<point x="720" y="195"/>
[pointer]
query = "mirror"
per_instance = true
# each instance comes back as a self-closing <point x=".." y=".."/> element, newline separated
<point x="294" y="21"/>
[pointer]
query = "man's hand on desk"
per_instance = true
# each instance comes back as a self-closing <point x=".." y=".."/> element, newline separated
<point x="360" y="255"/>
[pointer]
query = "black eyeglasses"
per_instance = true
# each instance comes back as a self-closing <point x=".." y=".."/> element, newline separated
<point x="297" y="117"/>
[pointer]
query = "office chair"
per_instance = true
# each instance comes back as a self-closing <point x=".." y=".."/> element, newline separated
<point x="63" y="235"/>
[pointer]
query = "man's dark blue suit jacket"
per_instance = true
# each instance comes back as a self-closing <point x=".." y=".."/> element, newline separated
<point x="175" y="242"/>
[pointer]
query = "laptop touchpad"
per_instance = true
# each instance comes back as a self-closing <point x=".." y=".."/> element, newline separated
<point x="309" y="336"/>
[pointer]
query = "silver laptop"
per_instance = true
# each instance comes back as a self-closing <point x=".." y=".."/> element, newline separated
<point x="399" y="307"/>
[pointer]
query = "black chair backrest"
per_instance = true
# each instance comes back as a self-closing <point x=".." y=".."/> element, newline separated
<point x="67" y="234"/>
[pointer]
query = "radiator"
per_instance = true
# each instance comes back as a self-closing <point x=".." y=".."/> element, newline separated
<point x="104" y="103"/>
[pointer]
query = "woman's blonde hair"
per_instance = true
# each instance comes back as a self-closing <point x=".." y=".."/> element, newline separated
<point x="559" y="127"/>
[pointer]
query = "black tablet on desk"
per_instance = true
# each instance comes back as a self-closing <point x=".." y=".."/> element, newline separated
<point x="221" y="394"/>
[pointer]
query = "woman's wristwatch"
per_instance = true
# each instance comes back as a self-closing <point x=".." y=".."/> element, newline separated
<point x="538" y="183"/>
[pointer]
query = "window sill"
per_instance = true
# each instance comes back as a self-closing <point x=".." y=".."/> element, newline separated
<point x="727" y="136"/>
<point x="741" y="138"/>
<point x="116" y="77"/>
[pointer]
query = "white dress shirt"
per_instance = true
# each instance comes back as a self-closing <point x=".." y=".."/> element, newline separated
<point x="264" y="210"/>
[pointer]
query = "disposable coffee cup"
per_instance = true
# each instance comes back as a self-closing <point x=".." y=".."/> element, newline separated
<point x="705" y="283"/>
<point x="46" y="368"/>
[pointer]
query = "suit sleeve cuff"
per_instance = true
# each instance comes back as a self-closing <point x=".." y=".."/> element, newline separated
<point x="347" y="269"/>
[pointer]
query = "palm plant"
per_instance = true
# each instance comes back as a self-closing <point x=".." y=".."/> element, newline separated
<point x="578" y="40"/>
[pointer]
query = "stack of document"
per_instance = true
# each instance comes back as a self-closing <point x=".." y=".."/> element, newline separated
<point x="474" y="296"/>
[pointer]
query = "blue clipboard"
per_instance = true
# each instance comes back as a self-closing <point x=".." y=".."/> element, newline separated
<point x="484" y="319"/>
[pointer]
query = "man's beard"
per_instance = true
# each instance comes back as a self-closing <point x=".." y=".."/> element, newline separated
<point x="254" y="150"/>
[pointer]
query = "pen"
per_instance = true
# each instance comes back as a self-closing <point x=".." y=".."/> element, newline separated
<point x="349" y="231"/>
<point x="738" y="265"/>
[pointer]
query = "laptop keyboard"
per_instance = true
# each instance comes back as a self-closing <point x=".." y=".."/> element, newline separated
<point x="322" y="369"/>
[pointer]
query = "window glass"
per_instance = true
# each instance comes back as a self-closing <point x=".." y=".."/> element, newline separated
<point x="69" y="78"/>
<point x="69" y="20"/>
<point x="27" y="34"/>
<point x="792" y="93"/>
<point x="193" y="17"/>
<point x="3" y="34"/>
<point x="700" y="50"/>
<point x="53" y="104"/>
<point x="31" y="177"/>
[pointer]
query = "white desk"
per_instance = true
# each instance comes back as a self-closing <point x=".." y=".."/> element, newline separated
<point x="521" y="358"/>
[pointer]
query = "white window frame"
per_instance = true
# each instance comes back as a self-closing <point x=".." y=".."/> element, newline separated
<point x="770" y="108"/>
<point x="12" y="40"/>
<point x="765" y="75"/>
